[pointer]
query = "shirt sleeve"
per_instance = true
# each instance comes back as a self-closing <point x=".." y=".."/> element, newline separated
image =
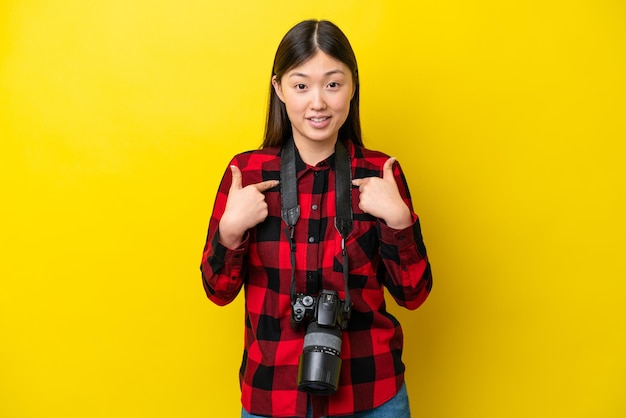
<point x="407" y="273"/>
<point x="223" y="269"/>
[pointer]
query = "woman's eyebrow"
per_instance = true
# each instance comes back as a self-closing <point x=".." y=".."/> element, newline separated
<point x="331" y="72"/>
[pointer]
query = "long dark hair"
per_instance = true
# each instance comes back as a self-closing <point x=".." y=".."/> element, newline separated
<point x="300" y="44"/>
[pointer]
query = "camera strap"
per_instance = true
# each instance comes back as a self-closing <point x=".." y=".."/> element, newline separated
<point x="291" y="208"/>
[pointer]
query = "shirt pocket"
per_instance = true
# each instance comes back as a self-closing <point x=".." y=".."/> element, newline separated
<point x="363" y="257"/>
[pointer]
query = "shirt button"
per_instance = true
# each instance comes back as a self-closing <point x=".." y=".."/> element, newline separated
<point x="311" y="239"/>
<point x="314" y="207"/>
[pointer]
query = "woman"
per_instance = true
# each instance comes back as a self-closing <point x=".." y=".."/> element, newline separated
<point x="314" y="223"/>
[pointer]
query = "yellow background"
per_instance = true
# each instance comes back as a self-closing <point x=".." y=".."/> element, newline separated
<point x="117" y="119"/>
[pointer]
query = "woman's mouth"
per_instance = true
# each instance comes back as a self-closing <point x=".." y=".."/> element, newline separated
<point x="319" y="120"/>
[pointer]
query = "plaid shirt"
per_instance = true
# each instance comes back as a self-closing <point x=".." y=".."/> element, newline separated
<point x="372" y="370"/>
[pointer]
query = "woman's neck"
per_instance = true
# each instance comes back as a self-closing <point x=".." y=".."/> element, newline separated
<point x="313" y="152"/>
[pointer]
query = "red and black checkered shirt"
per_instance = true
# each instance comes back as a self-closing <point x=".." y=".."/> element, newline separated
<point x="372" y="370"/>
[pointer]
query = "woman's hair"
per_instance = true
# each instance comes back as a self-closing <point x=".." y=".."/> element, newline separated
<point x="301" y="43"/>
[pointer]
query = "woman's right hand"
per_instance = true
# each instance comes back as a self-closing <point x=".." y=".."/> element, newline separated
<point x="245" y="208"/>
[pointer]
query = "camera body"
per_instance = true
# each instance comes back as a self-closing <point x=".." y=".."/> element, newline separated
<point x="325" y="317"/>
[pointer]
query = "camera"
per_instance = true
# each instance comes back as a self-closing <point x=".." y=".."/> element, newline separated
<point x="324" y="317"/>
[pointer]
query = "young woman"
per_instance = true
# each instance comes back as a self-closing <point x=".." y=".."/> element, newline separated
<point x="314" y="226"/>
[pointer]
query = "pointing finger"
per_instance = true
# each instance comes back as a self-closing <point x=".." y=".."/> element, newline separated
<point x="266" y="185"/>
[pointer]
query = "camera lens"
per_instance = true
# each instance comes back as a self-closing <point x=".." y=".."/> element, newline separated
<point x="320" y="364"/>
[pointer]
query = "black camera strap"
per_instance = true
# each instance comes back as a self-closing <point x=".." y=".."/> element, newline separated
<point x="291" y="208"/>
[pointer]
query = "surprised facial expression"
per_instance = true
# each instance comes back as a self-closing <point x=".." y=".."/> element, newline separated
<point x="317" y="97"/>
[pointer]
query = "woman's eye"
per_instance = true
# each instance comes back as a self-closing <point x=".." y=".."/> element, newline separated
<point x="300" y="86"/>
<point x="333" y="85"/>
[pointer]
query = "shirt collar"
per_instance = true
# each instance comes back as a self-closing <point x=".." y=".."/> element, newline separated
<point x="302" y="167"/>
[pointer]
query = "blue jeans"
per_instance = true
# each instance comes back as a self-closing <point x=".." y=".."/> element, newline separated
<point x="396" y="407"/>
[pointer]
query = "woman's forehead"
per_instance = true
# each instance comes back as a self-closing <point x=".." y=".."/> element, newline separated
<point x="319" y="64"/>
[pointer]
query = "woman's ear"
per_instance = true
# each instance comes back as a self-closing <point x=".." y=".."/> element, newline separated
<point x="278" y="89"/>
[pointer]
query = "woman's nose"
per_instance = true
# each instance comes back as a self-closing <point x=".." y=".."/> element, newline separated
<point x="317" y="100"/>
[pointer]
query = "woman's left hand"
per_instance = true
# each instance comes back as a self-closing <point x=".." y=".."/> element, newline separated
<point x="381" y="198"/>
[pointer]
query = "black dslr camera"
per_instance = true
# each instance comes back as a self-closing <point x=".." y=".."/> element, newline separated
<point x="320" y="363"/>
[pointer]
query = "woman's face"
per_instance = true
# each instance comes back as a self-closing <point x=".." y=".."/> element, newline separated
<point x="317" y="97"/>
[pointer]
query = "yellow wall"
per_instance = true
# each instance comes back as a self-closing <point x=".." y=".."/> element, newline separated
<point x="117" y="119"/>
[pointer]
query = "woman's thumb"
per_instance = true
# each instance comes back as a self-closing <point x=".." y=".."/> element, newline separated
<point x="236" y="183"/>
<point x="388" y="168"/>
